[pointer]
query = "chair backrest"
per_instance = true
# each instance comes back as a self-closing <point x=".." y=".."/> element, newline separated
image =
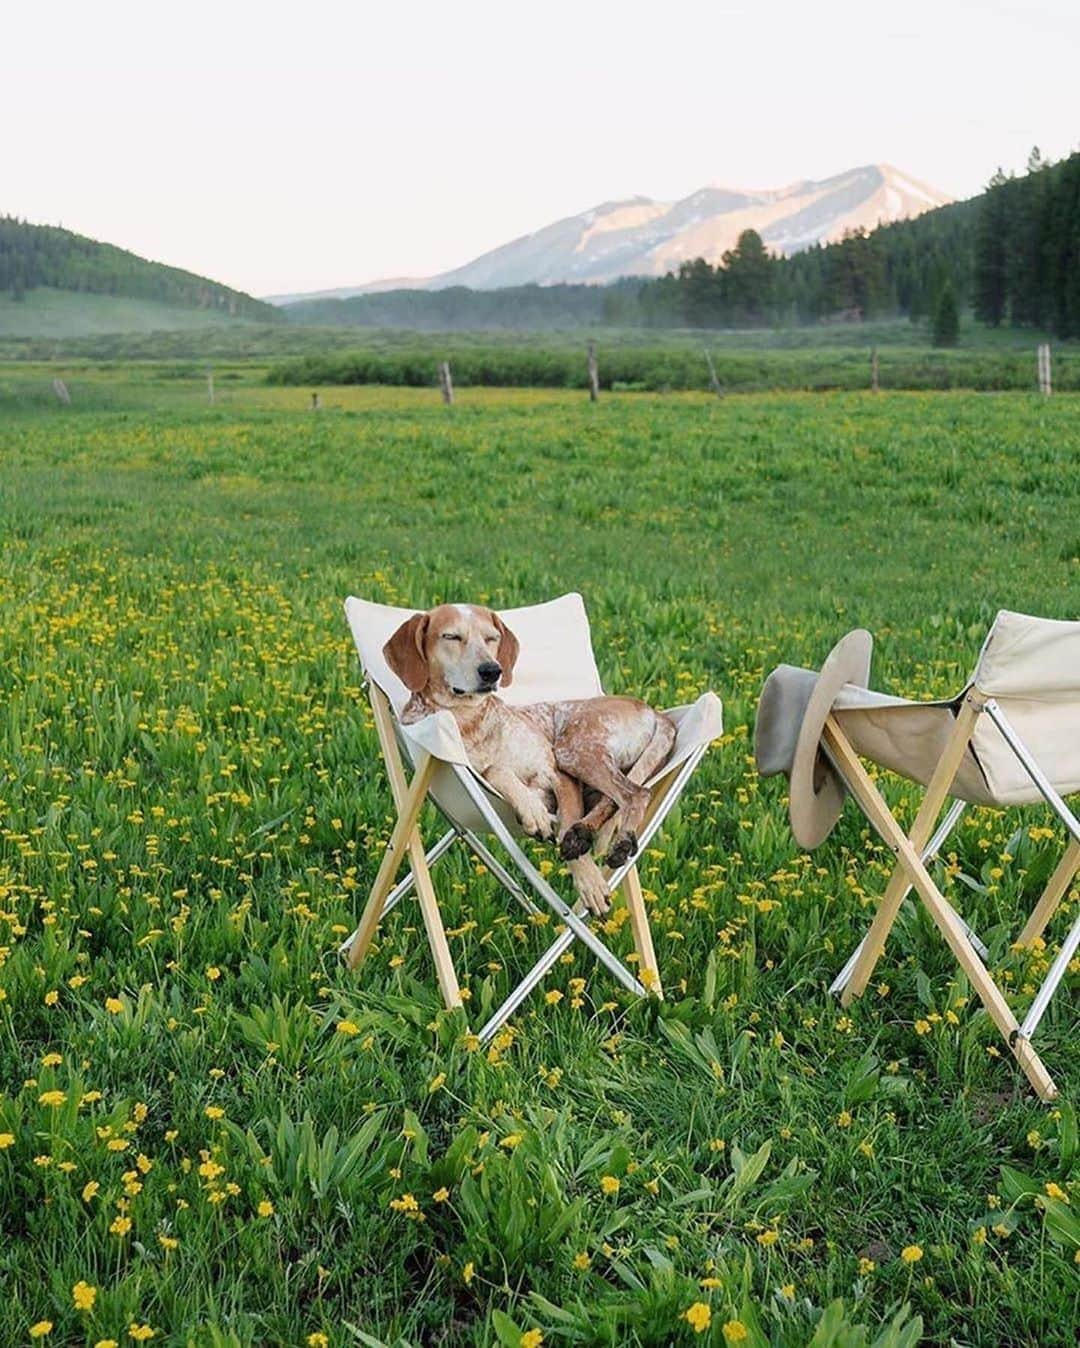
<point x="555" y="662"/>
<point x="1030" y="658"/>
<point x="1031" y="667"/>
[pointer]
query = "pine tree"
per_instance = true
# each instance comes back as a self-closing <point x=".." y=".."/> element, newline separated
<point x="946" y="329"/>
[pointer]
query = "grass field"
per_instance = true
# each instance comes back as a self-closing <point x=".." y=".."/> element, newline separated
<point x="45" y="314"/>
<point x="210" y="1131"/>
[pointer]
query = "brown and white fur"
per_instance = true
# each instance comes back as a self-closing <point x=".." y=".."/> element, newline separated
<point x="539" y="756"/>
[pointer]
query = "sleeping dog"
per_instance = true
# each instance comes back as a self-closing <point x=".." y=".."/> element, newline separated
<point x="538" y="757"/>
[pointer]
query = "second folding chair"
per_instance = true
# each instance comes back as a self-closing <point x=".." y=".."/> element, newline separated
<point x="556" y="662"/>
<point x="1011" y="737"/>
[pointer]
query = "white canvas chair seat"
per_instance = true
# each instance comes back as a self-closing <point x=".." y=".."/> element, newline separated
<point x="555" y="663"/>
<point x="1011" y="738"/>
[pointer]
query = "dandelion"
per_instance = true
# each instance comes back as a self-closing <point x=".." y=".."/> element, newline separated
<point x="106" y="1343"/>
<point x="511" y="1140"/>
<point x="698" y="1316"/>
<point x="1056" y="1191"/>
<point x="52" y="1060"/>
<point x="140" y="1333"/>
<point x="113" y="1005"/>
<point x="52" y="1099"/>
<point x="735" y="1331"/>
<point x="437" y="1083"/>
<point x="6" y="1140"/>
<point x="843" y="1119"/>
<point x="51" y="998"/>
<point x="911" y="1254"/>
<point x="553" y="997"/>
<point x="90" y="1190"/>
<point x="582" y="1261"/>
<point x="441" y="1195"/>
<point x="214" y="1112"/>
<point x="609" y="1184"/>
<point x="532" y="1338"/>
<point x="347" y="1027"/>
<point x="265" y="1208"/>
<point x="120" y="1226"/>
<point x="318" y="1340"/>
<point x="84" y="1296"/>
<point x="768" y="1238"/>
<point x="42" y="1328"/>
<point x="468" y="1273"/>
<point x="922" y="1027"/>
<point x="866" y="1267"/>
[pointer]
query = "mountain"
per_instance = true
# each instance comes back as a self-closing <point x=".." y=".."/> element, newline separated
<point x="54" y="280"/>
<point x="641" y="237"/>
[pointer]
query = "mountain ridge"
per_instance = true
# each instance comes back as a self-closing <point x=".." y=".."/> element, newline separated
<point x="639" y="236"/>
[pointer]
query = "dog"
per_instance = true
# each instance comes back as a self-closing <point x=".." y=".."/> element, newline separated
<point x="541" y="758"/>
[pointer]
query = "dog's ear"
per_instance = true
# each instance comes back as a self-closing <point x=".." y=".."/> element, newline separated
<point x="508" y="651"/>
<point x="406" y="652"/>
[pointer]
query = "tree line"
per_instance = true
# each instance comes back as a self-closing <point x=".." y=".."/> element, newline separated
<point x="45" y="255"/>
<point x="1027" y="248"/>
<point x="1011" y="254"/>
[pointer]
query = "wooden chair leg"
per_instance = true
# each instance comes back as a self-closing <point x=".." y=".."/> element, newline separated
<point x="934" y="798"/>
<point x="648" y="969"/>
<point x="404" y="836"/>
<point x="1060" y="881"/>
<point x="991" y="996"/>
<point x="433" y="925"/>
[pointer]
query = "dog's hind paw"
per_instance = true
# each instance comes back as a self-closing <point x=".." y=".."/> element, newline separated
<point x="575" y="842"/>
<point x="622" y="849"/>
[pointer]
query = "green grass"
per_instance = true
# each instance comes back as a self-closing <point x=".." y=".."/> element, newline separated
<point x="192" y="808"/>
<point x="47" y="314"/>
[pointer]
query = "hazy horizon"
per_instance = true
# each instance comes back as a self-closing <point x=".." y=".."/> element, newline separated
<point x="285" y="153"/>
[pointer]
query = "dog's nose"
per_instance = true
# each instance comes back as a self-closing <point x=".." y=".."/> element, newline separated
<point x="489" y="671"/>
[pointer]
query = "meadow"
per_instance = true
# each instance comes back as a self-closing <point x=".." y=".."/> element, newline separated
<point x="212" y="1135"/>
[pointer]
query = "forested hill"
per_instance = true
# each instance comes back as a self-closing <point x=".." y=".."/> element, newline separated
<point x="33" y="256"/>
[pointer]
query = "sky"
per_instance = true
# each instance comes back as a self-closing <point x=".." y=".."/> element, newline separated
<point x="287" y="148"/>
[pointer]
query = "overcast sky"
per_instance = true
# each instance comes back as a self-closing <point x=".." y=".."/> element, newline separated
<point x="319" y="144"/>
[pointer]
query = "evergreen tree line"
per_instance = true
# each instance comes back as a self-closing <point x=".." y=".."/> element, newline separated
<point x="1012" y="254"/>
<point x="1027" y="248"/>
<point x="43" y="255"/>
<point x="900" y="268"/>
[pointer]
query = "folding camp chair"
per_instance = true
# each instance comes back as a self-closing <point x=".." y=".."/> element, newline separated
<point x="555" y="662"/>
<point x="1011" y="737"/>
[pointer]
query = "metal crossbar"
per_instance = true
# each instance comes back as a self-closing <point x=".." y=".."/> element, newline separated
<point x="1043" y="785"/>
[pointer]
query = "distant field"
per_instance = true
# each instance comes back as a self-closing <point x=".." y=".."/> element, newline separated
<point x="203" y="1117"/>
<point x="821" y="358"/>
<point x="67" y="314"/>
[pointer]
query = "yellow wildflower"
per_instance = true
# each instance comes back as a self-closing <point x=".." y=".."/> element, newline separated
<point x="609" y="1184"/>
<point x="911" y="1254"/>
<point x="699" y="1317"/>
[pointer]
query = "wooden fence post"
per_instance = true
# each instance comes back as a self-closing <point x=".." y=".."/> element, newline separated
<point x="874" y="371"/>
<point x="594" y="374"/>
<point x="210" y="386"/>
<point x="445" y="382"/>
<point x="61" y="391"/>
<point x="1045" y="380"/>
<point x="714" y="383"/>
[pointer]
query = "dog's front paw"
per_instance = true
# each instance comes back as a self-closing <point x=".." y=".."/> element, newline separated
<point x="538" y="823"/>
<point x="622" y="849"/>
<point x="576" y="841"/>
<point x="591" y="887"/>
